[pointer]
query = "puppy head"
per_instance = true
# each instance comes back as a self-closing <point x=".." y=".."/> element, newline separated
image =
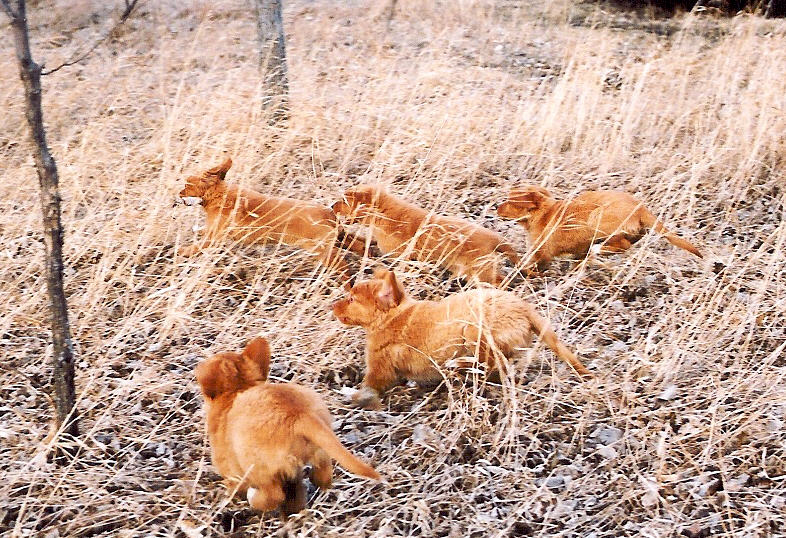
<point x="370" y="300"/>
<point x="357" y="201"/>
<point x="232" y="372"/>
<point x="523" y="202"/>
<point x="196" y="186"/>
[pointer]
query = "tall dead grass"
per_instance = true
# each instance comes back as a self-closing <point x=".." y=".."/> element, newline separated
<point x="452" y="103"/>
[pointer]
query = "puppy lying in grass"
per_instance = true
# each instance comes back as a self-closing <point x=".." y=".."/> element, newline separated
<point x="408" y="338"/>
<point x="605" y="222"/>
<point x="401" y="228"/>
<point x="248" y="216"/>
<point x="263" y="434"/>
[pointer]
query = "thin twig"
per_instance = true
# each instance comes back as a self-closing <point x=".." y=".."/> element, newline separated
<point x="123" y="17"/>
<point x="8" y="10"/>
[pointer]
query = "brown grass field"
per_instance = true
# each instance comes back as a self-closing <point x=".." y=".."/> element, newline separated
<point x="681" y="434"/>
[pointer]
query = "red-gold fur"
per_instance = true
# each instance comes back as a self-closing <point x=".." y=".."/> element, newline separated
<point x="405" y="337"/>
<point x="263" y="434"/>
<point x="248" y="216"/>
<point x="612" y="220"/>
<point x="402" y="228"/>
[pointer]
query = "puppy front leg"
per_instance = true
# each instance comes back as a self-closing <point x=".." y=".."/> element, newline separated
<point x="333" y="258"/>
<point x="199" y="246"/>
<point x="266" y="497"/>
<point x="234" y="485"/>
<point x="541" y="261"/>
<point x="489" y="272"/>
<point x="379" y="376"/>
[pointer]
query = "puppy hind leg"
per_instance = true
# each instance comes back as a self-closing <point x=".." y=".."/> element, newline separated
<point x="613" y="245"/>
<point x="322" y="474"/>
<point x="484" y="348"/>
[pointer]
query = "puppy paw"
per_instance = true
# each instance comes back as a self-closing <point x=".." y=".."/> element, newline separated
<point x="189" y="250"/>
<point x="367" y="398"/>
<point x="250" y="492"/>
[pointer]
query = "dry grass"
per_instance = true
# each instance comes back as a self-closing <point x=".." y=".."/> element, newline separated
<point x="683" y="432"/>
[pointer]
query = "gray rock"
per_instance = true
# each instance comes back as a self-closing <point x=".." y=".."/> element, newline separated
<point x="608" y="435"/>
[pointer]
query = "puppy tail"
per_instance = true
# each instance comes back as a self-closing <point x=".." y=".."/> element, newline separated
<point x="318" y="433"/>
<point x="649" y="221"/>
<point x="353" y="243"/>
<point x="509" y="252"/>
<point x="542" y="328"/>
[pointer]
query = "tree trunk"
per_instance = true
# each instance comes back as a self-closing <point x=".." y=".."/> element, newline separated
<point x="63" y="359"/>
<point x="273" y="57"/>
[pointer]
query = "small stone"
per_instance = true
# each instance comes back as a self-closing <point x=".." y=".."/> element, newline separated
<point x="774" y="425"/>
<point x="737" y="483"/>
<point x="104" y="438"/>
<point x="352" y="436"/>
<point x="607" y="436"/>
<point x="347" y="391"/>
<point x="668" y="393"/>
<point x="650" y="497"/>
<point x="607" y="452"/>
<point x="420" y="433"/>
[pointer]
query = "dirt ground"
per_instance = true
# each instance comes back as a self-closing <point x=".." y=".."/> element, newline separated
<point x="450" y="104"/>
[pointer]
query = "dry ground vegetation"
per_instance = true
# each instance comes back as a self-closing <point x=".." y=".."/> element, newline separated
<point x="450" y="103"/>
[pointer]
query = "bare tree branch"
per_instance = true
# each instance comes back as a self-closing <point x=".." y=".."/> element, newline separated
<point x="7" y="8"/>
<point x="123" y="17"/>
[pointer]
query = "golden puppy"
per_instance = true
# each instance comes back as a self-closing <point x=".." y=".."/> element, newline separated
<point x="402" y="228"/>
<point x="407" y="337"/>
<point x="247" y="216"/>
<point x="263" y="434"/>
<point x="604" y="221"/>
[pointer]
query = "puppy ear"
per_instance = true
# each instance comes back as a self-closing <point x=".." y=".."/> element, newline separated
<point x="526" y="198"/>
<point x="380" y="273"/>
<point x="360" y="195"/>
<point x="216" y="376"/>
<point x="258" y="352"/>
<point x="222" y="169"/>
<point x="391" y="293"/>
<point x="543" y="191"/>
